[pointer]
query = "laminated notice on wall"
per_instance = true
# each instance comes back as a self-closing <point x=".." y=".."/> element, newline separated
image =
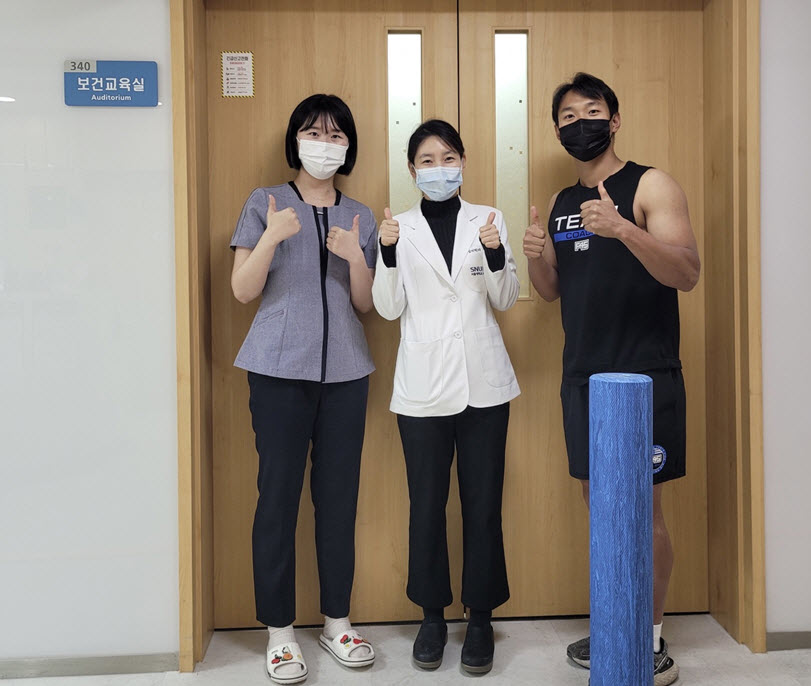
<point x="237" y="74"/>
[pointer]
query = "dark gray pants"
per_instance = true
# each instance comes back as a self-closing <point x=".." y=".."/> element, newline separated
<point x="479" y="436"/>
<point x="287" y="415"/>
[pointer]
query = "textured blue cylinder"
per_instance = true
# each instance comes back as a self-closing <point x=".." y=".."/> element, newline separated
<point x="621" y="514"/>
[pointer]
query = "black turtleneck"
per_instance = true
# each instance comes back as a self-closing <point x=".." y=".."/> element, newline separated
<point x="441" y="217"/>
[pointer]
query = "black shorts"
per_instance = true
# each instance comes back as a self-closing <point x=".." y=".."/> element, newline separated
<point x="669" y="419"/>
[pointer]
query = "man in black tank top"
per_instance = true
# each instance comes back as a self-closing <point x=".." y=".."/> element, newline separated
<point x="617" y="248"/>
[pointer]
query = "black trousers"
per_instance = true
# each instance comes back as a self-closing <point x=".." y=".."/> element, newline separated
<point x="479" y="436"/>
<point x="287" y="415"/>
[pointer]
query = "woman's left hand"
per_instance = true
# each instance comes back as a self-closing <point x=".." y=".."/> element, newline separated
<point x="488" y="234"/>
<point x="343" y="243"/>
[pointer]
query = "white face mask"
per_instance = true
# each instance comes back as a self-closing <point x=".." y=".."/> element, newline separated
<point x="321" y="159"/>
<point x="439" y="183"/>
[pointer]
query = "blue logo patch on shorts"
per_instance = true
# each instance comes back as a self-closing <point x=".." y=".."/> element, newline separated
<point x="659" y="458"/>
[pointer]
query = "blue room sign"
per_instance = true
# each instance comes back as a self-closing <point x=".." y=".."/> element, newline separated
<point x="111" y="83"/>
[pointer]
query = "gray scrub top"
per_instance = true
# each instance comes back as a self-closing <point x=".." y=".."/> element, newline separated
<point x="305" y="327"/>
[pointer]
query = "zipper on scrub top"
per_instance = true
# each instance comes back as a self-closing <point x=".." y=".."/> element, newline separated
<point x="322" y="243"/>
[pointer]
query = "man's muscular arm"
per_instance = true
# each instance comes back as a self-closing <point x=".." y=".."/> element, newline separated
<point x="667" y="246"/>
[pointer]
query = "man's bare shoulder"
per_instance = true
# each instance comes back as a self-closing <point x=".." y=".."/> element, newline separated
<point x="552" y="202"/>
<point x="656" y="185"/>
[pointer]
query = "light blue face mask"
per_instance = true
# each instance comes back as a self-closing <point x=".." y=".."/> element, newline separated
<point x="439" y="183"/>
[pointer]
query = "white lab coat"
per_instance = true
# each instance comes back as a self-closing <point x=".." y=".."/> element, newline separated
<point x="451" y="353"/>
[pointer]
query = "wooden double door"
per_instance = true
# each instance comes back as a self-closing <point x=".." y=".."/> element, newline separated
<point x="652" y="56"/>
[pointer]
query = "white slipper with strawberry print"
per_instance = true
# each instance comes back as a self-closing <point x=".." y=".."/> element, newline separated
<point x="344" y="648"/>
<point x="286" y="654"/>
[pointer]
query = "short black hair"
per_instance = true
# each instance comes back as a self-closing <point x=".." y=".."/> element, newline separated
<point x="439" y="128"/>
<point x="588" y="86"/>
<point x="307" y="112"/>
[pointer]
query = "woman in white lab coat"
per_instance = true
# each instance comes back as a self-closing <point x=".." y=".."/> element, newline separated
<point x="443" y="267"/>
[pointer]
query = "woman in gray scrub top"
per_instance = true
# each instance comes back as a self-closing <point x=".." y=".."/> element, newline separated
<point x="310" y="252"/>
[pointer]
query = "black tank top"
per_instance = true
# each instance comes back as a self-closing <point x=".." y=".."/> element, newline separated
<point x="616" y="316"/>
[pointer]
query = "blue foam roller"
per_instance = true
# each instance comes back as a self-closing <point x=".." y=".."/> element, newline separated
<point x="621" y="515"/>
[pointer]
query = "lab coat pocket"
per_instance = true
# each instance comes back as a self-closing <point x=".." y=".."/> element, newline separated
<point x="473" y="271"/>
<point x="418" y="378"/>
<point x="496" y="366"/>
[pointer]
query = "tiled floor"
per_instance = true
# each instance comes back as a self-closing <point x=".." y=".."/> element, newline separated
<point x="527" y="652"/>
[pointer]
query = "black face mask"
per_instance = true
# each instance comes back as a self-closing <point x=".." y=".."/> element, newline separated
<point x="585" y="139"/>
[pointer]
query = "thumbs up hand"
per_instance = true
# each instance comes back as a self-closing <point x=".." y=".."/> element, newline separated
<point x="601" y="216"/>
<point x="534" y="236"/>
<point x="488" y="234"/>
<point x="281" y="225"/>
<point x="389" y="231"/>
<point x="345" y="243"/>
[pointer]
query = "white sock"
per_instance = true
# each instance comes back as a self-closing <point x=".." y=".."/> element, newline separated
<point x="333" y="627"/>
<point x="336" y="627"/>
<point x="657" y="638"/>
<point x="281" y="636"/>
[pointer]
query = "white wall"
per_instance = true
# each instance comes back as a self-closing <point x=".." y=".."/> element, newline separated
<point x="786" y="251"/>
<point x="88" y="457"/>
